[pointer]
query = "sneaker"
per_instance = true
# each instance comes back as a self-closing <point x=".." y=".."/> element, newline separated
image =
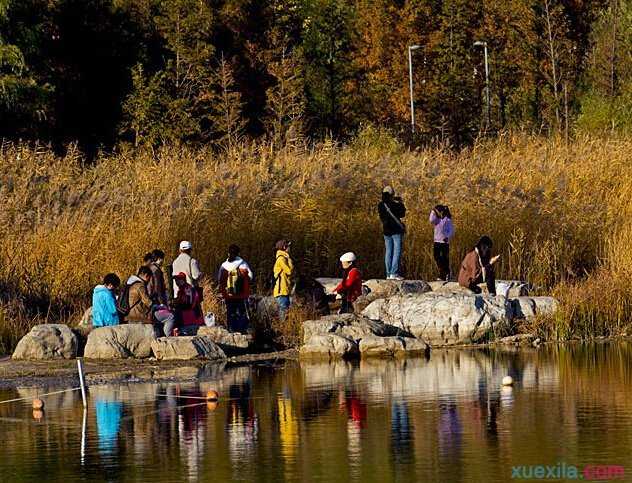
<point x="397" y="277"/>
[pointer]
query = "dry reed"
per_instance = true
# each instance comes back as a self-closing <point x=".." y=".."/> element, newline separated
<point x="559" y="214"/>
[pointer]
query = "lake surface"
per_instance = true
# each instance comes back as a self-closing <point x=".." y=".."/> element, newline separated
<point x="441" y="419"/>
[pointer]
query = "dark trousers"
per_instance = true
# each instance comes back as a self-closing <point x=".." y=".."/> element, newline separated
<point x="237" y="316"/>
<point x="441" y="254"/>
<point x="490" y="281"/>
<point x="346" y="307"/>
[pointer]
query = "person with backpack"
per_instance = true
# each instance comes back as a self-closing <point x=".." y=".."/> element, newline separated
<point x="441" y="218"/>
<point x="156" y="287"/>
<point x="138" y="307"/>
<point x="186" y="305"/>
<point x="350" y="288"/>
<point x="185" y="263"/>
<point x="478" y="267"/>
<point x="234" y="279"/>
<point x="104" y="312"/>
<point x="391" y="210"/>
<point x="282" y="277"/>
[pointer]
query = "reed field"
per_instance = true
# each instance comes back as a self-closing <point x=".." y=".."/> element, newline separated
<point x="559" y="213"/>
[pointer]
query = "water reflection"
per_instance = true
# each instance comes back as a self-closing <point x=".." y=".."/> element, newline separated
<point x="446" y="418"/>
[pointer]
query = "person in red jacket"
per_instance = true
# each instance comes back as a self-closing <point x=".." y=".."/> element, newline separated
<point x="351" y="286"/>
<point x="187" y="306"/>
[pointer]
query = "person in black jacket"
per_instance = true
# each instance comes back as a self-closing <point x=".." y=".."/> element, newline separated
<point x="392" y="210"/>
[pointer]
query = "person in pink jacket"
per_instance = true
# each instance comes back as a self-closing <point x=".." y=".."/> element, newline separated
<point x="441" y="218"/>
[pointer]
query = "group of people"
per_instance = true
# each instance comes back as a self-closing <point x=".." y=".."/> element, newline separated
<point x="175" y="307"/>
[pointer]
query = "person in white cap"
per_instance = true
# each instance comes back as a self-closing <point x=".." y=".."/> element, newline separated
<point x="391" y="210"/>
<point x="350" y="288"/>
<point x="185" y="263"/>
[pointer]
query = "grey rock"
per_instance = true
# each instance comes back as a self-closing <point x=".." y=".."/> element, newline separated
<point x="186" y="348"/>
<point x="518" y="339"/>
<point x="47" y="341"/>
<point x="517" y="288"/>
<point x="529" y="307"/>
<point x="445" y="318"/>
<point x="120" y="342"/>
<point x="330" y="346"/>
<point x="229" y="342"/>
<point x="352" y="326"/>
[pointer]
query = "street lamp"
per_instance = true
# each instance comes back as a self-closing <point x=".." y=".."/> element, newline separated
<point x="487" y="99"/>
<point x="410" y="79"/>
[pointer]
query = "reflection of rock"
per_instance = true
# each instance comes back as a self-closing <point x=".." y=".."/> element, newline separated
<point x="353" y="326"/>
<point x="47" y="341"/>
<point x="120" y="342"/>
<point x="186" y="348"/>
<point x="516" y="287"/>
<point x="230" y="342"/>
<point x="391" y="346"/>
<point x="329" y="346"/>
<point x="443" y="318"/>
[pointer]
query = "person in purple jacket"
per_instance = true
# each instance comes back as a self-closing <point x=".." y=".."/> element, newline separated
<point x="441" y="218"/>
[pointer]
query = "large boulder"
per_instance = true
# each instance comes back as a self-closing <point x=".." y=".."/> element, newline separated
<point x="445" y="318"/>
<point x="120" y="342"/>
<point x="47" y="341"/>
<point x="391" y="346"/>
<point x="186" y="348"/>
<point x="229" y="342"/>
<point x="529" y="307"/>
<point x="516" y="287"/>
<point x="380" y="289"/>
<point x="329" y="346"/>
<point x="267" y="308"/>
<point x="352" y="326"/>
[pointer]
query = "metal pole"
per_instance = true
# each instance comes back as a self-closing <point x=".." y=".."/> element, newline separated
<point x="410" y="78"/>
<point x="487" y="86"/>
<point x="82" y="382"/>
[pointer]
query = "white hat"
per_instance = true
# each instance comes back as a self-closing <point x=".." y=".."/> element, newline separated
<point x="185" y="245"/>
<point x="389" y="190"/>
<point x="348" y="257"/>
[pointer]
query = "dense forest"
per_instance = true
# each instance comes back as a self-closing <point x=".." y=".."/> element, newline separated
<point x="151" y="72"/>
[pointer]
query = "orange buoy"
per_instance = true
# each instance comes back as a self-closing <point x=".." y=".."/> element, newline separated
<point x="38" y="404"/>
<point x="212" y="395"/>
<point x="38" y="414"/>
<point x="212" y="405"/>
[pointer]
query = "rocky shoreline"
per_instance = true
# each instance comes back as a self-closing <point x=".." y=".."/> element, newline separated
<point x="391" y="319"/>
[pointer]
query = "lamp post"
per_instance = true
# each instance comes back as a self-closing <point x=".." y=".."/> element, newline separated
<point x="410" y="79"/>
<point x="487" y="99"/>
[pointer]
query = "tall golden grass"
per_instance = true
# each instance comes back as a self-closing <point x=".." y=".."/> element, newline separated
<point x="559" y="214"/>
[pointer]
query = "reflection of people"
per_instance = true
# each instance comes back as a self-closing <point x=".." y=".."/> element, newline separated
<point x="288" y="427"/>
<point x="191" y="427"/>
<point x="450" y="430"/>
<point x="108" y="424"/>
<point x="242" y="424"/>
<point x="401" y="434"/>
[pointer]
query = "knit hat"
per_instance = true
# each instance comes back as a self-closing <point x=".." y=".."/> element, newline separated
<point x="348" y="257"/>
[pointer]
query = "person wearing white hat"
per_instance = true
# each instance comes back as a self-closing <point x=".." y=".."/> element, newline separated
<point x="350" y="288"/>
<point x="391" y="210"/>
<point x="185" y="263"/>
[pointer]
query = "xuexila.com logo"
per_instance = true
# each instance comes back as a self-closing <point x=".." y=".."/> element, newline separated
<point x="562" y="471"/>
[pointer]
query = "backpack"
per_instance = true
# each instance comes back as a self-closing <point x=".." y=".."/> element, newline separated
<point x="235" y="282"/>
<point x="122" y="304"/>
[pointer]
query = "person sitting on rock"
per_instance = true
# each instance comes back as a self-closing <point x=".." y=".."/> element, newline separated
<point x="234" y="279"/>
<point x="478" y="267"/>
<point x="187" y="306"/>
<point x="142" y="310"/>
<point x="350" y="288"/>
<point x="104" y="312"/>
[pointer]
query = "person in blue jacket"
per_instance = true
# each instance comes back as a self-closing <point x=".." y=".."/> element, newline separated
<point x="104" y="311"/>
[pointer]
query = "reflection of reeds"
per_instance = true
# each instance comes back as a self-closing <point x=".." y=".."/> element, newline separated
<point x="559" y="215"/>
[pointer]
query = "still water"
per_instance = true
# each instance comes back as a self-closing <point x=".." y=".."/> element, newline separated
<point x="442" y="419"/>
